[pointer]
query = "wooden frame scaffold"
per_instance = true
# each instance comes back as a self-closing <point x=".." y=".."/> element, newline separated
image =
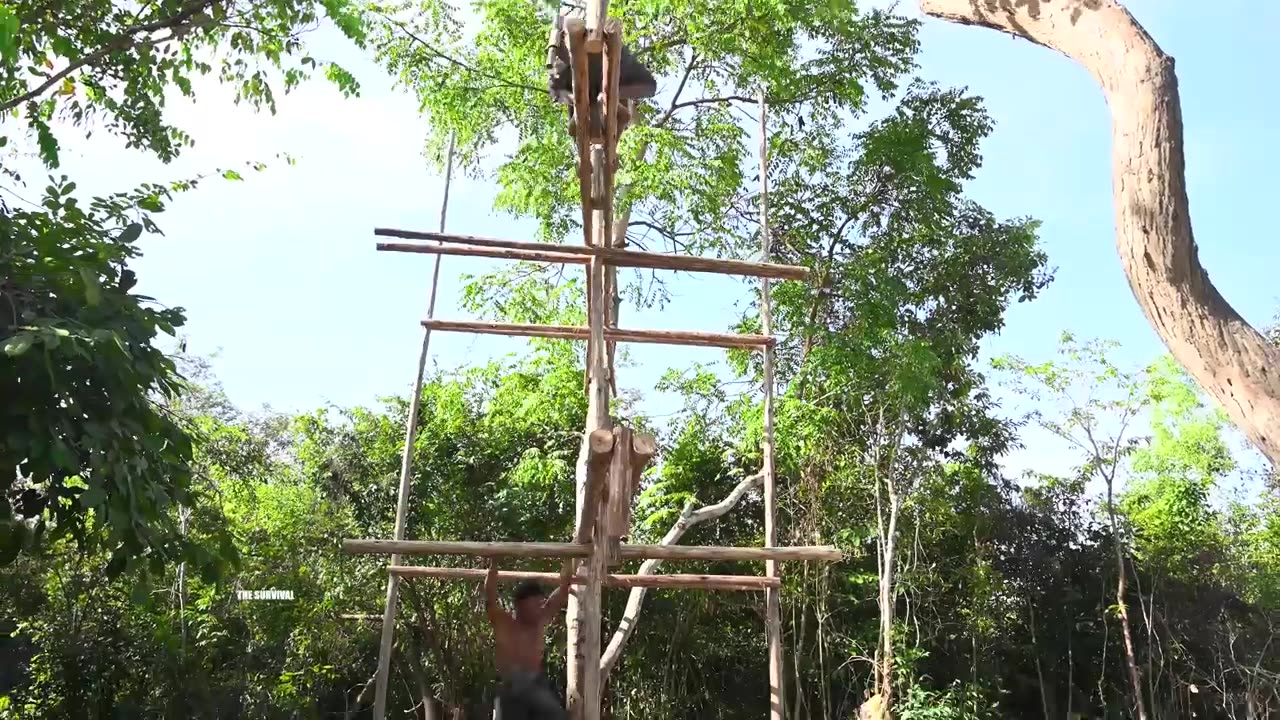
<point x="614" y="458"/>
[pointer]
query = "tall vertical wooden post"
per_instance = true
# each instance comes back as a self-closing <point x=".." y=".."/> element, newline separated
<point x="387" y="641"/>
<point x="597" y="15"/>
<point x="773" y="602"/>
<point x="583" y="611"/>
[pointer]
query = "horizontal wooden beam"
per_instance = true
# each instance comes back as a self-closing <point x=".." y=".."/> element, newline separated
<point x="824" y="553"/>
<point x="471" y="548"/>
<point x="612" y="256"/>
<point x="572" y="332"/>
<point x="489" y="252"/>
<point x="682" y="582"/>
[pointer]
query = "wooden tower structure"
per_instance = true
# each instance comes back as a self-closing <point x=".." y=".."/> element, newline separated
<point x="612" y="458"/>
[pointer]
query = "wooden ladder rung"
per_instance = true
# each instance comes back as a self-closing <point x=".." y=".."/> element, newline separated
<point x="824" y="553"/>
<point x="611" y="256"/>
<point x="549" y="256"/>
<point x="688" y="582"/>
<point x="576" y="332"/>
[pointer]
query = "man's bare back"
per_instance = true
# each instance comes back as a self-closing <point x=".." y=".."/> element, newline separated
<point x="520" y="640"/>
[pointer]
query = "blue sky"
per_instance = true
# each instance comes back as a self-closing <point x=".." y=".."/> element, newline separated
<point x="279" y="276"/>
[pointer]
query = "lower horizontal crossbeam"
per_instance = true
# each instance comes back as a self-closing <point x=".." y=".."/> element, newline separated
<point x="573" y="332"/>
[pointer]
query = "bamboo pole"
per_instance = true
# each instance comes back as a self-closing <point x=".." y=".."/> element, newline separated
<point x="406" y="466"/>
<point x="823" y="553"/>
<point x="683" y="582"/>
<point x="489" y="252"/>
<point x="613" y="256"/>
<point x="573" y="332"/>
<point x="772" y="599"/>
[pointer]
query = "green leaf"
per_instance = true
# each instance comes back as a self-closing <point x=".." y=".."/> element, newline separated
<point x="141" y="591"/>
<point x="93" y="497"/>
<point x="18" y="344"/>
<point x="8" y="33"/>
<point x="62" y="456"/>
<point x="47" y="143"/>
<point x="92" y="289"/>
<point x="232" y="175"/>
<point x="130" y="234"/>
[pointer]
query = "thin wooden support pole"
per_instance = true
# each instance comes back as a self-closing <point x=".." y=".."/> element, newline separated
<point x="576" y="39"/>
<point x="772" y="599"/>
<point x="406" y="468"/>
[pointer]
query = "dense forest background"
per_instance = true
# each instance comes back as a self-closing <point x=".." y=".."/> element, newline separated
<point x="1140" y="578"/>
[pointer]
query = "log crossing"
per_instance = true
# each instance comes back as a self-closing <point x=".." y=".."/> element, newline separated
<point x="577" y="332"/>
<point x="747" y="583"/>
<point x="563" y="550"/>
<point x="582" y="254"/>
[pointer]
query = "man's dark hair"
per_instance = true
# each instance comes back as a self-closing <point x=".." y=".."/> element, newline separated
<point x="527" y="589"/>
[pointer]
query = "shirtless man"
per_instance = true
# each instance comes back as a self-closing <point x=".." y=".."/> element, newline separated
<point x="519" y="638"/>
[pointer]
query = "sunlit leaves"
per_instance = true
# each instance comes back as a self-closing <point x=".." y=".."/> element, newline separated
<point x="102" y="63"/>
<point x="90" y="447"/>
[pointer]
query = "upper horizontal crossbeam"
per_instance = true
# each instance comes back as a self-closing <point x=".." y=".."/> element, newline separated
<point x="612" y="256"/>
<point x="825" y="553"/>
<point x="673" y="582"/>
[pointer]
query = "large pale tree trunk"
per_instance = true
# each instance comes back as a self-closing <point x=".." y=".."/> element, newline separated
<point x="1227" y="356"/>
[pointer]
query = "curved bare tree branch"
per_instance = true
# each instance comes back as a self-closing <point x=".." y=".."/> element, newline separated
<point x="635" y="601"/>
<point x="1230" y="359"/>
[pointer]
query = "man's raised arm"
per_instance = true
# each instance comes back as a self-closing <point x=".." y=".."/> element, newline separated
<point x="556" y="602"/>
<point x="491" y="605"/>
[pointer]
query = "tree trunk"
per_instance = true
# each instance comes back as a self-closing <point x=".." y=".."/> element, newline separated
<point x="888" y="558"/>
<point x="1228" y="357"/>
<point x="1035" y="650"/>
<point x="1130" y="658"/>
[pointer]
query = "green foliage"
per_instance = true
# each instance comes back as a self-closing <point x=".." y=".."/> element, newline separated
<point x="954" y="703"/>
<point x="112" y="65"/>
<point x="1168" y="501"/>
<point x="183" y="645"/>
<point x="84" y="427"/>
<point x="1002" y="591"/>
<point x="88" y="431"/>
